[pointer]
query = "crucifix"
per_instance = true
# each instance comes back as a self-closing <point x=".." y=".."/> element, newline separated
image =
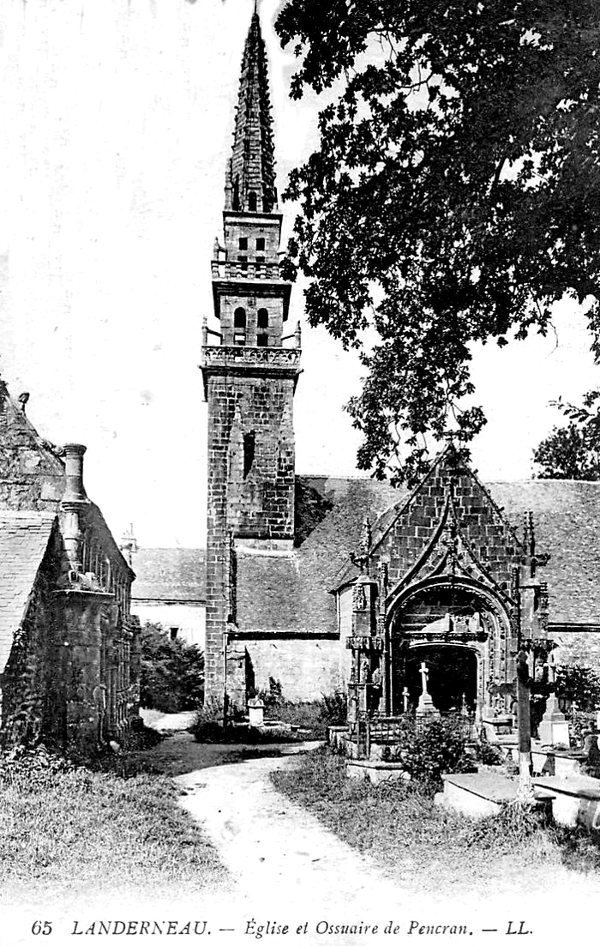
<point x="424" y="671"/>
<point x="551" y="670"/>
<point x="425" y="706"/>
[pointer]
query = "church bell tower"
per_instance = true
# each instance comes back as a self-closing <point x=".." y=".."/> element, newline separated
<point x="250" y="366"/>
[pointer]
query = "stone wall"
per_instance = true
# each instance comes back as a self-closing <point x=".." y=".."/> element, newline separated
<point x="189" y="619"/>
<point x="29" y="682"/>
<point x="250" y="486"/>
<point x="577" y="647"/>
<point x="306" y="669"/>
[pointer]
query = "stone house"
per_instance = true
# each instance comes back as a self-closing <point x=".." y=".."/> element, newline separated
<point x="170" y="589"/>
<point x="69" y="661"/>
<point x="320" y="582"/>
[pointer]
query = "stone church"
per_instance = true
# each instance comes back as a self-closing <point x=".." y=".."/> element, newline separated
<point x="69" y="648"/>
<point x="319" y="583"/>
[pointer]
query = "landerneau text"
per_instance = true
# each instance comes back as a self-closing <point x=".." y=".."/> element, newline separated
<point x="141" y="928"/>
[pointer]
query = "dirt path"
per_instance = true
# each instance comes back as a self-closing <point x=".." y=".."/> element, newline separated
<point x="272" y="847"/>
<point x="288" y="869"/>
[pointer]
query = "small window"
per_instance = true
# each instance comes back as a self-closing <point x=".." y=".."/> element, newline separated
<point x="260" y="260"/>
<point x="262" y="340"/>
<point x="249" y="444"/>
<point x="235" y="200"/>
<point x="239" y="318"/>
<point x="260" y="243"/>
<point x="239" y="339"/>
<point x="173" y="632"/>
<point x="243" y="243"/>
<point x="262" y="318"/>
<point x="252" y="201"/>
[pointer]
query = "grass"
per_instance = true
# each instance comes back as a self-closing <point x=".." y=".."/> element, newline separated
<point x="66" y="831"/>
<point x="418" y="843"/>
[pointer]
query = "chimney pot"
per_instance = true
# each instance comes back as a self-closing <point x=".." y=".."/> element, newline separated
<point x="74" y="488"/>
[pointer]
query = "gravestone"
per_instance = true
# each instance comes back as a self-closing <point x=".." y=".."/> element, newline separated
<point x="425" y="706"/>
<point x="553" y="729"/>
<point x="256" y="712"/>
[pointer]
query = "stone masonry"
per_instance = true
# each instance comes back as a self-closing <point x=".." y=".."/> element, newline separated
<point x="249" y="375"/>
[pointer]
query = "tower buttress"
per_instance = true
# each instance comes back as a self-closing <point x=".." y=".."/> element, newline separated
<point x="250" y="375"/>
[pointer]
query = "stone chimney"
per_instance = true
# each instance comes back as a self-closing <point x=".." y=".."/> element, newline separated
<point x="73" y="501"/>
<point x="74" y="489"/>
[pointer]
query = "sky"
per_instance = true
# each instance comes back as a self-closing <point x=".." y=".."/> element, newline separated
<point x="116" y="121"/>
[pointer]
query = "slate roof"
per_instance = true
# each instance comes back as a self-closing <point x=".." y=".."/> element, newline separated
<point x="567" y="523"/>
<point x="294" y="587"/>
<point x="176" y="575"/>
<point x="24" y="538"/>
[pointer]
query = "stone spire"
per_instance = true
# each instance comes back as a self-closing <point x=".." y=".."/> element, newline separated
<point x="250" y="180"/>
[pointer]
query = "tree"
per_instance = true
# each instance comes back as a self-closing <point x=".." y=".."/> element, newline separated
<point x="572" y="452"/>
<point x="453" y="198"/>
<point x="172" y="673"/>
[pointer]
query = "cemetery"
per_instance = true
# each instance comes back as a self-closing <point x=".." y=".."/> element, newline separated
<point x="557" y="768"/>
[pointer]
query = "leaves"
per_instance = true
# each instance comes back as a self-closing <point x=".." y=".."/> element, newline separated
<point x="453" y="198"/>
<point x="172" y="677"/>
<point x="573" y="452"/>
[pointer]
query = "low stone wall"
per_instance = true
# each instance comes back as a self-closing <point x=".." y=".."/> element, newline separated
<point x="376" y="772"/>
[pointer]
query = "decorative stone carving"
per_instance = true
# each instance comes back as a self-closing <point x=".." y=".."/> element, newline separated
<point x="359" y="598"/>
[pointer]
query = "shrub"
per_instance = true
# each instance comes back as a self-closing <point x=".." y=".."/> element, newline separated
<point x="488" y="754"/>
<point x="580" y="684"/>
<point x="315" y="716"/>
<point x="334" y="708"/>
<point x="172" y="672"/>
<point x="427" y="751"/>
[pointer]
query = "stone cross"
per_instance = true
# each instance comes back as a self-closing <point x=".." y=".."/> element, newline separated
<point x="424" y="674"/>
<point x="551" y="669"/>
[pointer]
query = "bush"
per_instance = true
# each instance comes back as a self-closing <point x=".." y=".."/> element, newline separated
<point x="315" y="716"/>
<point x="430" y="750"/>
<point x="488" y="754"/>
<point x="580" y="684"/>
<point x="172" y="672"/>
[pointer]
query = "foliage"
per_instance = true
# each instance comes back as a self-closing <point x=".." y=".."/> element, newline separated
<point x="313" y="716"/>
<point x="580" y="684"/>
<point x="572" y="452"/>
<point x="334" y="708"/>
<point x="580" y="848"/>
<point x="415" y="840"/>
<point x="452" y="199"/>
<point x="428" y="751"/>
<point x="66" y="831"/>
<point x="487" y="753"/>
<point x="273" y="696"/>
<point x="172" y="678"/>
